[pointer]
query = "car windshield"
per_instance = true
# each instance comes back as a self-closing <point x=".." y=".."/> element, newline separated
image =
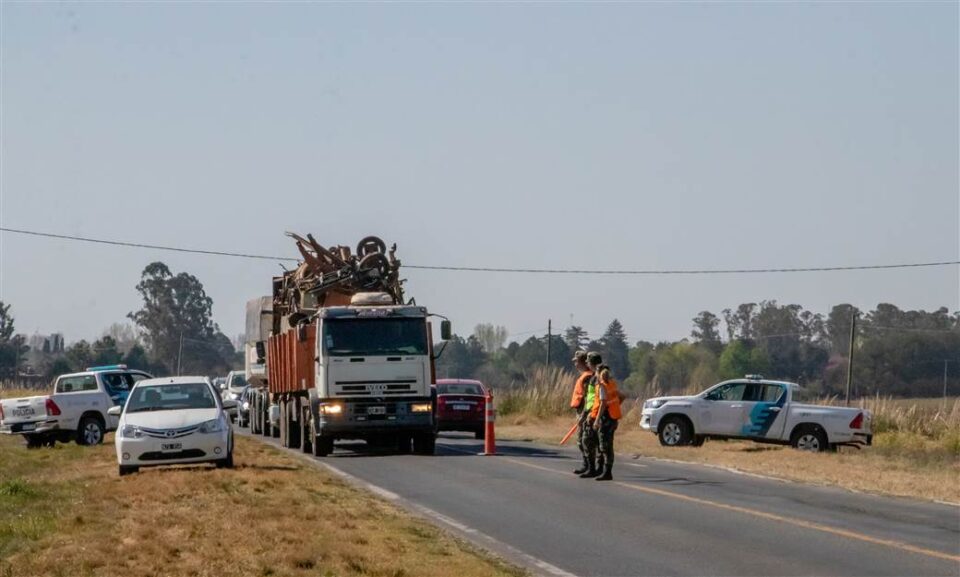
<point x="375" y="337"/>
<point x="171" y="397"/>
<point x="238" y="381"/>
<point x="459" y="389"/>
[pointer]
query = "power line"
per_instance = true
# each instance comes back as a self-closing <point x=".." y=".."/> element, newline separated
<point x="504" y="269"/>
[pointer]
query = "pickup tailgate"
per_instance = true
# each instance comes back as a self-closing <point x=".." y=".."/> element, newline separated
<point x="23" y="410"/>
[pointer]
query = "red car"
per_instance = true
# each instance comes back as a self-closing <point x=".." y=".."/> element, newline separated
<point x="461" y="404"/>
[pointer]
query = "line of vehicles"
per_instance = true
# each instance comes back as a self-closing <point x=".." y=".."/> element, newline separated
<point x="336" y="353"/>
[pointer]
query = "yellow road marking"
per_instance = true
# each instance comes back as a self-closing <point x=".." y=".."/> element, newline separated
<point x="770" y="516"/>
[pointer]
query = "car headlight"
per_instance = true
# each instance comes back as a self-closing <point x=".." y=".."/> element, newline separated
<point x="654" y="404"/>
<point x="331" y="409"/>
<point x="421" y="408"/>
<point x="214" y="426"/>
<point x="130" y="432"/>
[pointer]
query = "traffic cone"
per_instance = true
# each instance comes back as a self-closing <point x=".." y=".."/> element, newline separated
<point x="489" y="441"/>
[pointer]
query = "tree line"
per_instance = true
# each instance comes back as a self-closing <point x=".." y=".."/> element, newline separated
<point x="895" y="352"/>
<point x="172" y="330"/>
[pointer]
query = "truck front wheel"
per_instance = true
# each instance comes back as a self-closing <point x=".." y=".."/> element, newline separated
<point x="424" y="443"/>
<point x="675" y="432"/>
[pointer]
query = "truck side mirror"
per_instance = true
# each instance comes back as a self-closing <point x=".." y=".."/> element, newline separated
<point x="261" y="351"/>
<point x="446" y="332"/>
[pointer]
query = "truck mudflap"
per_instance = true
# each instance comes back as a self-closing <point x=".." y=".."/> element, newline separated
<point x="359" y="419"/>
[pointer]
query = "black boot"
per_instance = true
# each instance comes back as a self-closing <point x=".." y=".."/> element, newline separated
<point x="607" y="474"/>
<point x="591" y="472"/>
<point x="583" y="468"/>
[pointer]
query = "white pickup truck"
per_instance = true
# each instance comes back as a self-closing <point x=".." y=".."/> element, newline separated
<point x="756" y="409"/>
<point x="77" y="409"/>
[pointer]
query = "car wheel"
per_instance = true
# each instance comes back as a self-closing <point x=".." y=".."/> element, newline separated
<point x="809" y="438"/>
<point x="226" y="463"/>
<point x="674" y="432"/>
<point x="128" y="469"/>
<point x="90" y="431"/>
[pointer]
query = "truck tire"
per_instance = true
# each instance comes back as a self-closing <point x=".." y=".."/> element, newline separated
<point x="125" y="470"/>
<point x="674" y="432"/>
<point x="370" y="245"/>
<point x="284" y="426"/>
<point x="306" y="441"/>
<point x="293" y="426"/>
<point x="90" y="431"/>
<point x="322" y="446"/>
<point x="252" y="415"/>
<point x="424" y="443"/>
<point x="809" y="438"/>
<point x="403" y="444"/>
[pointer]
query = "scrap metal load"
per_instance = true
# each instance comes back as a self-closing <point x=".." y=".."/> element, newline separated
<point x="331" y="276"/>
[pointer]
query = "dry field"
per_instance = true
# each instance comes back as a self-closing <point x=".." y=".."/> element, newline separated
<point x="65" y="512"/>
<point x="916" y="451"/>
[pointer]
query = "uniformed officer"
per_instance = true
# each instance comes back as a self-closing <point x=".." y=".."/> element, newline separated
<point x="582" y="402"/>
<point x="605" y="416"/>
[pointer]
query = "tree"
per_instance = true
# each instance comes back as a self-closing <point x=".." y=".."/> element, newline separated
<point x="576" y="338"/>
<point x="740" y="322"/>
<point x="460" y="358"/>
<point x="176" y="323"/>
<point x="124" y="335"/>
<point x="105" y="352"/>
<point x="705" y="331"/>
<point x="615" y="351"/>
<point x="79" y="355"/>
<point x="12" y="346"/>
<point x="838" y="327"/>
<point x="491" y="338"/>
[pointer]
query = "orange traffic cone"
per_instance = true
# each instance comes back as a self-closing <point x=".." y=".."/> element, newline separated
<point x="489" y="441"/>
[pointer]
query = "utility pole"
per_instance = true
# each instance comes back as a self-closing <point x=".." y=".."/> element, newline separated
<point x="549" y="338"/>
<point x="179" y="353"/>
<point x="853" y="332"/>
<point x="945" y="361"/>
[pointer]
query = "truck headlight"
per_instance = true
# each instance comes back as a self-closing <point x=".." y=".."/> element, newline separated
<point x="246" y="406"/>
<point x="130" y="432"/>
<point x="421" y="408"/>
<point x="212" y="426"/>
<point x="654" y="404"/>
<point x="331" y="409"/>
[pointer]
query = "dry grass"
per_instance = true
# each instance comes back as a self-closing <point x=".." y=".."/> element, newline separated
<point x="64" y="511"/>
<point x="916" y="448"/>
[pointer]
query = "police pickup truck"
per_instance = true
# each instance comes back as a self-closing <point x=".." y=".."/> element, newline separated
<point x="756" y="409"/>
<point x="77" y="409"/>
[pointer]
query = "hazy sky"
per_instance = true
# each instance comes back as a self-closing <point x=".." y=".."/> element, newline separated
<point x="638" y="136"/>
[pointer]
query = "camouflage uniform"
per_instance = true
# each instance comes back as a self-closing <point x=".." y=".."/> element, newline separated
<point x="608" y="427"/>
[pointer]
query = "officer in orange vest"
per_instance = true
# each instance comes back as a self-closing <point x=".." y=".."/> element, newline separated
<point x="606" y="415"/>
<point x="582" y="401"/>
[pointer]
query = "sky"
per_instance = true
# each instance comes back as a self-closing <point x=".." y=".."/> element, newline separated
<point x="540" y="135"/>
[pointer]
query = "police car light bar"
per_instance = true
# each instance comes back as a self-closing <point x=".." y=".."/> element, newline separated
<point x="754" y="377"/>
<point x="108" y="368"/>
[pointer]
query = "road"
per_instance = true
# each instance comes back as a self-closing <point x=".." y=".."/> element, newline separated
<point x="656" y="518"/>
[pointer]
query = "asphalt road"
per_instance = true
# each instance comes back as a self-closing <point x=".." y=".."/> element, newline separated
<point x="656" y="518"/>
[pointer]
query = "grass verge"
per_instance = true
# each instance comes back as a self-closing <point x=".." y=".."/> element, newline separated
<point x="64" y="511"/>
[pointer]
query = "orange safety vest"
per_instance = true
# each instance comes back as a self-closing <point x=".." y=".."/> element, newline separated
<point x="579" y="390"/>
<point x="613" y="399"/>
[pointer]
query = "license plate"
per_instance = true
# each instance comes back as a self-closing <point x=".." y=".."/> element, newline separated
<point x="23" y="412"/>
<point x="29" y="427"/>
<point x="171" y="446"/>
<point x="461" y="407"/>
<point x="376" y="410"/>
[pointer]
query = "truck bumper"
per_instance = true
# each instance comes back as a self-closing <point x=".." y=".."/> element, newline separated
<point x="367" y="418"/>
<point x="34" y="428"/>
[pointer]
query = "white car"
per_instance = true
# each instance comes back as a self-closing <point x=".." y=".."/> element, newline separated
<point x="756" y="409"/>
<point x="173" y="420"/>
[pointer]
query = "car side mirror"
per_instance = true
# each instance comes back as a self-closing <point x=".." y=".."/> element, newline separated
<point x="446" y="330"/>
<point x="229" y="404"/>
<point x="115" y="411"/>
<point x="223" y="386"/>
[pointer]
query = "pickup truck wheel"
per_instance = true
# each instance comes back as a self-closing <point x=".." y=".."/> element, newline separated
<point x="674" y="432"/>
<point x="812" y="439"/>
<point x="127" y="469"/>
<point x="90" y="432"/>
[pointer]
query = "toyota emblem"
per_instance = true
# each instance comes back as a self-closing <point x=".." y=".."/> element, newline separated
<point x="170" y="434"/>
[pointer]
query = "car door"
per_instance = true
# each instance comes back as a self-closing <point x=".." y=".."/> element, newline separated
<point x="768" y="417"/>
<point x="721" y="412"/>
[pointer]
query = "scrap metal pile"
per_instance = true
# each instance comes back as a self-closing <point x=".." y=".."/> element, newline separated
<point x="330" y="276"/>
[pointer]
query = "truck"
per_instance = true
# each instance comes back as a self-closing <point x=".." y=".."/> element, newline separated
<point x="336" y="353"/>
<point x="756" y="409"/>
<point x="76" y="411"/>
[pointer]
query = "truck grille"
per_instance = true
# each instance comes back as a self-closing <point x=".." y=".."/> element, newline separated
<point x="374" y="388"/>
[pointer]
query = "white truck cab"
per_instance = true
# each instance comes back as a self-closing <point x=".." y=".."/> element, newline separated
<point x="756" y="409"/>
<point x="77" y="409"/>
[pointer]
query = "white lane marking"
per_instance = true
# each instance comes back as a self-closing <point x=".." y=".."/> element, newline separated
<point x="477" y="537"/>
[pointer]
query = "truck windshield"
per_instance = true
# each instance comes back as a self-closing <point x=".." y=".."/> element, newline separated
<point x="375" y="337"/>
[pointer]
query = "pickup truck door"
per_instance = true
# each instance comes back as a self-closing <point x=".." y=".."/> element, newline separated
<point x="721" y="411"/>
<point x="77" y="394"/>
<point x="769" y="414"/>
